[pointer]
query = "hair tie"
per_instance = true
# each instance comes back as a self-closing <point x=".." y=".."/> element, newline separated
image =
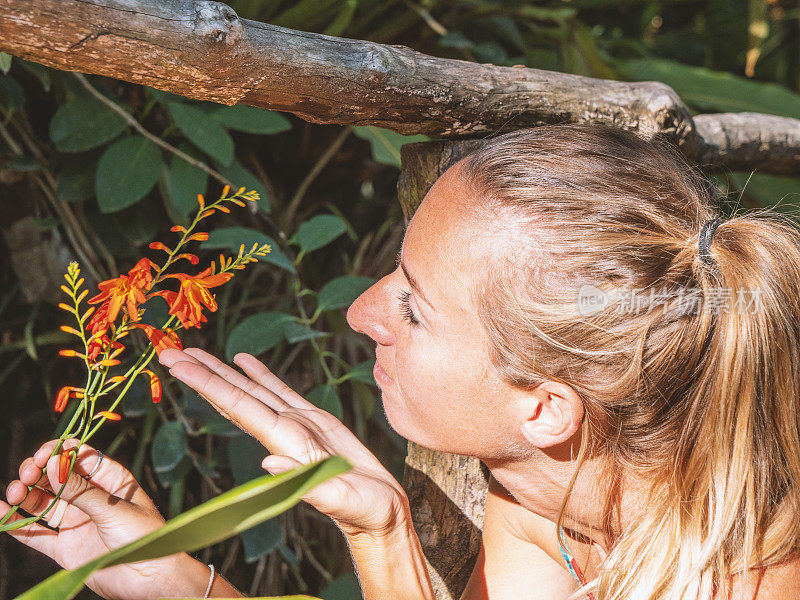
<point x="704" y="241"/>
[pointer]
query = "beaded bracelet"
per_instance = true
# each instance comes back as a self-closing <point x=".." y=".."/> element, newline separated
<point x="210" y="581"/>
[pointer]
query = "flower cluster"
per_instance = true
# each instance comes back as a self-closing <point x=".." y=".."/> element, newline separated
<point x="117" y="310"/>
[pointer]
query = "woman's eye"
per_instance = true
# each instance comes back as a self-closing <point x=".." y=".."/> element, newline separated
<point x="405" y="308"/>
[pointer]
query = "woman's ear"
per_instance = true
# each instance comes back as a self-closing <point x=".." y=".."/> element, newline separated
<point x="552" y="414"/>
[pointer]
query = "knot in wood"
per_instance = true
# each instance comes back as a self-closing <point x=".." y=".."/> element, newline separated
<point x="216" y="21"/>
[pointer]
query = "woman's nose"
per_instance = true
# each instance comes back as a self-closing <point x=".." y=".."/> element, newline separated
<point x="368" y="314"/>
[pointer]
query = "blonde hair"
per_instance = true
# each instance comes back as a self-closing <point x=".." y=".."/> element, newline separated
<point x="701" y="404"/>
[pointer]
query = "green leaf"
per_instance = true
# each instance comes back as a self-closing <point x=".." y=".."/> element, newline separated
<point x="174" y="476"/>
<point x="127" y="170"/>
<point x="84" y="123"/>
<point x="318" y="232"/>
<point x="341" y="291"/>
<point x="12" y="96"/>
<point x="711" y="90"/>
<point x="41" y="72"/>
<point x="241" y="177"/>
<point x="454" y="39"/>
<point x="138" y="400"/>
<point x="363" y="372"/>
<point x="297" y="332"/>
<point x="344" y="587"/>
<point x="218" y="519"/>
<point x="75" y="180"/>
<point x="256" y="334"/>
<point x="386" y="144"/>
<point x="230" y="238"/>
<point x="343" y="19"/>
<point x="206" y="134"/>
<point x="169" y="446"/>
<point x="304" y="14"/>
<point x="244" y="455"/>
<point x="164" y="97"/>
<point x="185" y="182"/>
<point x="128" y="228"/>
<point x="250" y="119"/>
<point x="212" y="422"/>
<point x="260" y="540"/>
<point x="326" y="397"/>
<point x="5" y="63"/>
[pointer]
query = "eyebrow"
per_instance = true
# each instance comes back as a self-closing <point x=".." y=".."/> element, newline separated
<point x="414" y="283"/>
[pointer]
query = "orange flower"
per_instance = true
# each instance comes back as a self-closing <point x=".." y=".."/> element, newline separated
<point x="63" y="466"/>
<point x="141" y="275"/>
<point x="108" y="362"/>
<point x="126" y="289"/>
<point x="187" y="304"/>
<point x="106" y="414"/>
<point x="155" y="386"/>
<point x="161" y="340"/>
<point x="63" y="397"/>
<point x="65" y="394"/>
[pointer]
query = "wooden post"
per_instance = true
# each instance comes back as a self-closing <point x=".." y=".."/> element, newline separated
<point x="446" y="491"/>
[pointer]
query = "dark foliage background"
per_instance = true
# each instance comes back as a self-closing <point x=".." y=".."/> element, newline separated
<point x="78" y="182"/>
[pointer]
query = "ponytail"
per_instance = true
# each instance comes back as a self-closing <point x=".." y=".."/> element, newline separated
<point x="730" y="499"/>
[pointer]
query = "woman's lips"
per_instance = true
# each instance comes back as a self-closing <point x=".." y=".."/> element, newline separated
<point x="381" y="375"/>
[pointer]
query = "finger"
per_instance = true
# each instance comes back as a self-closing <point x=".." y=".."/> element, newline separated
<point x="15" y="492"/>
<point x="36" y="501"/>
<point x="36" y="536"/>
<point x="29" y="473"/>
<point x="259" y="372"/>
<point x="232" y="401"/>
<point x="110" y="476"/>
<point x="170" y="356"/>
<point x="276" y="464"/>
<point x="233" y="377"/>
<point x="42" y="455"/>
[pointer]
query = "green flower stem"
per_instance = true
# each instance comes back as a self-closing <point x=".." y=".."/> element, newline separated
<point x="297" y="288"/>
<point x="149" y="356"/>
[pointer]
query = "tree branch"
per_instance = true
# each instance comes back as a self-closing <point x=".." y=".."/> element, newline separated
<point x="201" y="49"/>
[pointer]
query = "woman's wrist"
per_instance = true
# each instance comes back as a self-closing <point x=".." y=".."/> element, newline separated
<point x="190" y="579"/>
<point x="391" y="560"/>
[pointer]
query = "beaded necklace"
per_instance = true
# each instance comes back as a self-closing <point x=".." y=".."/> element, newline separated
<point x="572" y="564"/>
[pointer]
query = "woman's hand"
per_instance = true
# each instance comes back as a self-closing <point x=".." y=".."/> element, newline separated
<point x="365" y="500"/>
<point x="99" y="514"/>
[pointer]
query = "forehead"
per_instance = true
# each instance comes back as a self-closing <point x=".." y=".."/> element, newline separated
<point x="449" y="241"/>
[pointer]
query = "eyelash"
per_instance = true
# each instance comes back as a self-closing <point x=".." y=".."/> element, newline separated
<point x="405" y="308"/>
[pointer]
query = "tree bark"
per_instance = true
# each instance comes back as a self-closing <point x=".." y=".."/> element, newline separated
<point x="201" y="49"/>
<point x="446" y="491"/>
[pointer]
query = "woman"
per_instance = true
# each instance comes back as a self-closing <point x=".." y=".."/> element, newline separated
<point x="651" y="438"/>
